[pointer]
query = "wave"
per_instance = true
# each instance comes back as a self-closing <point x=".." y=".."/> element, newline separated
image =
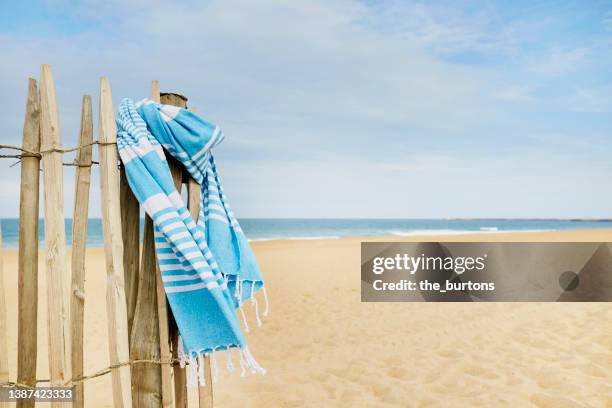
<point x="431" y="232"/>
<point x="482" y="230"/>
<point x="305" y="238"/>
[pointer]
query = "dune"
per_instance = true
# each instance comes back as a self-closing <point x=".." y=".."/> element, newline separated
<point x="322" y="347"/>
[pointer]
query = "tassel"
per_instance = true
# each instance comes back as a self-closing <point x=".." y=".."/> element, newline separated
<point x="263" y="289"/>
<point x="181" y="353"/>
<point x="192" y="372"/>
<point x="254" y="302"/>
<point x="237" y="290"/>
<point x="230" y="364"/>
<point x="242" y="363"/>
<point x="255" y="367"/>
<point x="201" y="376"/>
<point x="215" y="369"/>
<point x="244" y="320"/>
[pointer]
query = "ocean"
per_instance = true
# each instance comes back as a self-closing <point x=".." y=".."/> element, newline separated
<point x="283" y="228"/>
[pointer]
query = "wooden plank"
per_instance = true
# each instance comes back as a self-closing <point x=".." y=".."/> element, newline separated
<point x="4" y="370"/>
<point x="130" y="232"/>
<point x="180" y="374"/>
<point x="79" y="244"/>
<point x="176" y="169"/>
<point x="28" y="246"/>
<point x="55" y="234"/>
<point x="164" y="341"/>
<point x="144" y="340"/>
<point x="118" y="341"/>
<point x="162" y="312"/>
<point x="155" y="95"/>
<point x="205" y="392"/>
<point x="145" y="336"/>
<point x="130" y="224"/>
<point x="194" y="194"/>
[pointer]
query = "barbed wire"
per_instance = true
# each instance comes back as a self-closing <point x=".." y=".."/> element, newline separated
<point x="96" y="374"/>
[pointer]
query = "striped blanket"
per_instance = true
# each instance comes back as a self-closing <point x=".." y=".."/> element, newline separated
<point x="207" y="267"/>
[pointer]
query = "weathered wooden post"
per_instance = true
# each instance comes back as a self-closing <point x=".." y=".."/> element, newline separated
<point x="145" y="336"/>
<point x="79" y="244"/>
<point x="55" y="234"/>
<point x="163" y="311"/>
<point x="180" y="378"/>
<point x="144" y="339"/>
<point x="179" y="174"/>
<point x="118" y="342"/>
<point x="28" y="246"/>
<point x="130" y="232"/>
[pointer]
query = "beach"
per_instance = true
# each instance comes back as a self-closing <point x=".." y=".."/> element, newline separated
<point x="322" y="347"/>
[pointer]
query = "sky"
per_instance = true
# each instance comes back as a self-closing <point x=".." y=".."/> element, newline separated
<point x="350" y="109"/>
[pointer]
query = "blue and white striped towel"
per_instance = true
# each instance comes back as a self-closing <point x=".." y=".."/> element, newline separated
<point x="208" y="268"/>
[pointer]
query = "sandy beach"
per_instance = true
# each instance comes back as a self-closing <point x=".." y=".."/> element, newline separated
<point x="322" y="347"/>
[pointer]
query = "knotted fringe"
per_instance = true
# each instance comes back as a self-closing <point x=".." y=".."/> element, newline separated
<point x="239" y="295"/>
<point x="181" y="353"/>
<point x="196" y="373"/>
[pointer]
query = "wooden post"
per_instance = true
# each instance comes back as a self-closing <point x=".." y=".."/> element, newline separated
<point x="162" y="313"/>
<point x="180" y="378"/>
<point x="130" y="223"/>
<point x="205" y="392"/>
<point x="180" y="374"/>
<point x="28" y="246"/>
<point x="144" y="340"/>
<point x="79" y="244"/>
<point x="144" y="337"/>
<point x="147" y="337"/>
<point x="130" y="231"/>
<point x="113" y="247"/>
<point x="55" y="234"/>
<point x="4" y="373"/>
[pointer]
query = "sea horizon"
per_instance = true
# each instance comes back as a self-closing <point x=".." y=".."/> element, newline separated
<point x="263" y="229"/>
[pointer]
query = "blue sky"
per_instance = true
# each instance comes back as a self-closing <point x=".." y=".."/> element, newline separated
<point x="349" y="108"/>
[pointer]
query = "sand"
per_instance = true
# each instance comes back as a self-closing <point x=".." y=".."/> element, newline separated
<point x="324" y="348"/>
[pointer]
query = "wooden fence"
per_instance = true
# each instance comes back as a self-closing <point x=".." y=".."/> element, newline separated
<point x="142" y="335"/>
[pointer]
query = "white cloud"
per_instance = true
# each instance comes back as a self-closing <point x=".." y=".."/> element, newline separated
<point x="320" y="100"/>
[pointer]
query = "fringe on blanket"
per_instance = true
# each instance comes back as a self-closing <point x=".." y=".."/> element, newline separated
<point x="195" y="362"/>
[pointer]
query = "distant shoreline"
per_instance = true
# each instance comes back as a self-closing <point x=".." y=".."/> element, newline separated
<point x="584" y="235"/>
<point x="272" y="229"/>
